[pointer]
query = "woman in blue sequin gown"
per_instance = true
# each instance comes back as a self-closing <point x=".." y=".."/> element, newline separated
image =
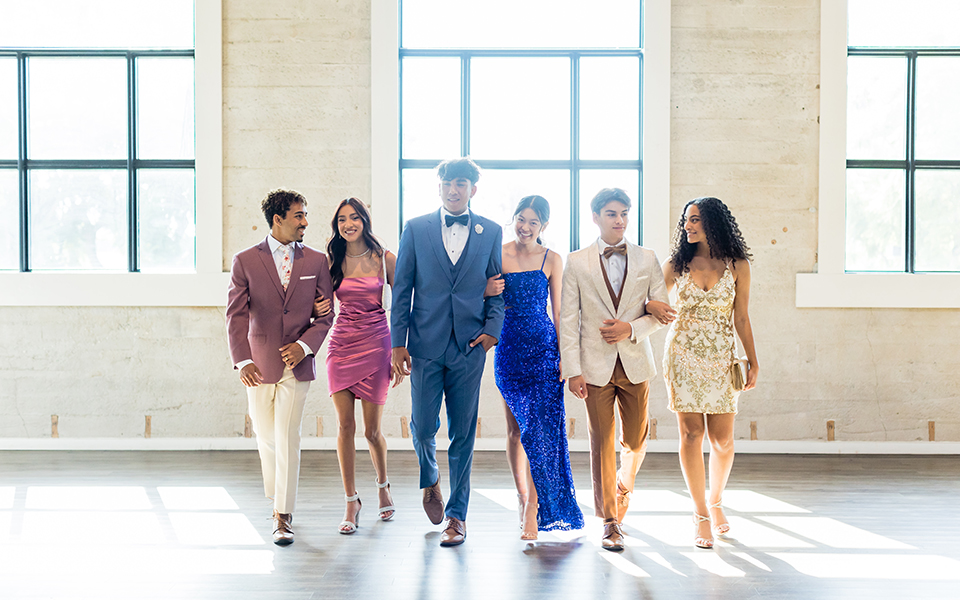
<point x="527" y="371"/>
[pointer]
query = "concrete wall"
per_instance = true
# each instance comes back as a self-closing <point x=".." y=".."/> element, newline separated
<point x="296" y="77"/>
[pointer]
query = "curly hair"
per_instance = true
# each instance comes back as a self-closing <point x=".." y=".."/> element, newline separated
<point x="719" y="227"/>
<point x="278" y="202"/>
<point x="337" y="246"/>
<point x="455" y="168"/>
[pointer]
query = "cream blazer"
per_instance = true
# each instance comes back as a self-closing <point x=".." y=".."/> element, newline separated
<point x="586" y="303"/>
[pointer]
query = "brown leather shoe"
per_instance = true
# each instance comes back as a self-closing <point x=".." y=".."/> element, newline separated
<point x="282" y="534"/>
<point x="433" y="503"/>
<point x="612" y="537"/>
<point x="454" y="533"/>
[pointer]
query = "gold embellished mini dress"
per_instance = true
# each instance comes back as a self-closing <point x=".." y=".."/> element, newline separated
<point x="700" y="348"/>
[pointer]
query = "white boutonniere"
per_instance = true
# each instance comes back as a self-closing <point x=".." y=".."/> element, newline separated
<point x="478" y="228"/>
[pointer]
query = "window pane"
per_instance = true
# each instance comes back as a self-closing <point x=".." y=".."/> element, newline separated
<point x="526" y="24"/>
<point x="78" y="220"/>
<point x="875" y="214"/>
<point x="9" y="226"/>
<point x="500" y="190"/>
<point x="98" y="24"/>
<point x="77" y="108"/>
<point x="876" y="107"/>
<point x="938" y="122"/>
<point x="520" y="108"/>
<point x="431" y="107"/>
<point x="610" y="108"/>
<point x="9" y="136"/>
<point x="899" y="23"/>
<point x="165" y="108"/>
<point x="591" y="182"/>
<point x="420" y="191"/>
<point x="167" y="220"/>
<point x="938" y="221"/>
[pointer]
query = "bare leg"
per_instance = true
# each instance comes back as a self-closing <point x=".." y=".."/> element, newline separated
<point x="720" y="434"/>
<point x="372" y="416"/>
<point x="691" y="463"/>
<point x="520" y="468"/>
<point x="343" y="401"/>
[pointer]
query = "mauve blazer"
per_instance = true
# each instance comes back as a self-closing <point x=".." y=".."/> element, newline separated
<point x="261" y="317"/>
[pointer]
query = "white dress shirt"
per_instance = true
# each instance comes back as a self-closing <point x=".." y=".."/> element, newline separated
<point x="616" y="267"/>
<point x="277" y="252"/>
<point x="455" y="236"/>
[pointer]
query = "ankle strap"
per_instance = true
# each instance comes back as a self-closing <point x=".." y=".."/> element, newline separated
<point x="384" y="484"/>
<point x="352" y="498"/>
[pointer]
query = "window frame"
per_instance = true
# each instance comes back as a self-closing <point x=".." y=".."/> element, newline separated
<point x="652" y="166"/>
<point x="205" y="287"/>
<point x="831" y="286"/>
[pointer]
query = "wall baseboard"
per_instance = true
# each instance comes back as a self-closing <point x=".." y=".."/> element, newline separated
<point x="315" y="443"/>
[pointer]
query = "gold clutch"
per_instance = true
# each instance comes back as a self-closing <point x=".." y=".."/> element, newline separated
<point x="738" y="374"/>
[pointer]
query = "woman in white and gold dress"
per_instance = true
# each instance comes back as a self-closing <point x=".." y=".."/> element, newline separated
<point x="710" y="267"/>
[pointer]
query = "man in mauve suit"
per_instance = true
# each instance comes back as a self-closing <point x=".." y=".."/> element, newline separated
<point x="272" y="340"/>
<point x="441" y="319"/>
<point x="605" y="353"/>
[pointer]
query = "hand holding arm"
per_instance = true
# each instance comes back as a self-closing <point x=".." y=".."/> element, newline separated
<point x="495" y="286"/>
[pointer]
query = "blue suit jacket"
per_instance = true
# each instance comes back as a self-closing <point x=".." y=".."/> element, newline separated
<point x="428" y="304"/>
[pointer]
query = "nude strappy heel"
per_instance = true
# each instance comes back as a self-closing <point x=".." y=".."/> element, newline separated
<point x="698" y="540"/>
<point x="348" y="527"/>
<point x="723" y="528"/>
<point x="386" y="509"/>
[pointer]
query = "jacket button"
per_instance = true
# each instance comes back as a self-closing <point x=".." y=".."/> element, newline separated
<point x="285" y="311"/>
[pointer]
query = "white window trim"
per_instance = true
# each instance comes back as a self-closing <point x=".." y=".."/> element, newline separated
<point x="206" y="287"/>
<point x="831" y="286"/>
<point x="385" y="123"/>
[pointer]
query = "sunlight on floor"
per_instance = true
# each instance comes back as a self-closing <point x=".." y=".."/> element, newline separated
<point x="874" y="566"/>
<point x="87" y="498"/>
<point x="6" y="497"/>
<point x="835" y="534"/>
<point x="214" y="529"/>
<point x="196" y="498"/>
<point x="92" y="527"/>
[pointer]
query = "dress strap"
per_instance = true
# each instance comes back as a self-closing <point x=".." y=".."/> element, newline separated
<point x="544" y="258"/>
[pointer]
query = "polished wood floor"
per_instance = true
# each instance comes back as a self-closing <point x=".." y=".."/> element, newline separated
<point x="194" y="525"/>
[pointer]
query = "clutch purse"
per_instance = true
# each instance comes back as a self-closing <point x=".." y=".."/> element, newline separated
<point x="738" y="374"/>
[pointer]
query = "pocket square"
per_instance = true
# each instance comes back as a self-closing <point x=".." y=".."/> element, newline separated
<point x="308" y="277"/>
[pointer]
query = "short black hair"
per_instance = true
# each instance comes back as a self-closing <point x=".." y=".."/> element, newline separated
<point x="606" y="196"/>
<point x="278" y="202"/>
<point x="455" y="168"/>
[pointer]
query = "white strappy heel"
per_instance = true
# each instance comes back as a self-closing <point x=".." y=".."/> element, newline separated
<point x="698" y="540"/>
<point x="347" y="527"/>
<point x="386" y="509"/>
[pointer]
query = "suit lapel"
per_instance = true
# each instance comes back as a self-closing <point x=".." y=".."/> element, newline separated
<point x="266" y="257"/>
<point x="629" y="287"/>
<point x="473" y="247"/>
<point x="294" y="272"/>
<point x="435" y="237"/>
<point x="596" y="273"/>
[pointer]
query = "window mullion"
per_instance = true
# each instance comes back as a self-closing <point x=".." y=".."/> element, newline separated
<point x="24" y="199"/>
<point x="465" y="105"/>
<point x="133" y="244"/>
<point x="574" y="151"/>
<point x="910" y="217"/>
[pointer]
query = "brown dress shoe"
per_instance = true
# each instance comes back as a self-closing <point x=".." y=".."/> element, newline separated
<point x="612" y="537"/>
<point x="282" y="534"/>
<point x="454" y="533"/>
<point x="433" y="503"/>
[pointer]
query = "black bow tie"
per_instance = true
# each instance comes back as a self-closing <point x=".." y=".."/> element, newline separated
<point x="462" y="219"/>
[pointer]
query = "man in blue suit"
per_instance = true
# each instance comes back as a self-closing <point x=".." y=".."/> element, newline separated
<point x="441" y="319"/>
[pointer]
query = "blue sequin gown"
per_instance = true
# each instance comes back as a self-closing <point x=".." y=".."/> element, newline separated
<point x="526" y="367"/>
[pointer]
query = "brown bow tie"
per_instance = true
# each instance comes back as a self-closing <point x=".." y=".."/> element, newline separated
<point x="609" y="250"/>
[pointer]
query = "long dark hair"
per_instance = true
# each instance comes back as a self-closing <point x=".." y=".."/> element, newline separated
<point x="537" y="204"/>
<point x="719" y="227"/>
<point x="337" y="246"/>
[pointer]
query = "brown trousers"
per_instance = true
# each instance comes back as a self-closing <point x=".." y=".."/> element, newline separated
<point x="631" y="400"/>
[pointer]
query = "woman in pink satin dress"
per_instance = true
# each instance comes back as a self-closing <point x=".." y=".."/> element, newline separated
<point x="358" y="354"/>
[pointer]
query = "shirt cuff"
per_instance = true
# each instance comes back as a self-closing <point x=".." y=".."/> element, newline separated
<point x="243" y="363"/>
<point x="306" y="349"/>
<point x="633" y="334"/>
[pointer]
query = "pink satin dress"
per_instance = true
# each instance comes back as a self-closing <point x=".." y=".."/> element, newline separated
<point x="358" y="355"/>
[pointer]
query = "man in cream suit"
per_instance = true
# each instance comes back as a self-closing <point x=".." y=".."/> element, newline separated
<point x="272" y="342"/>
<point x="605" y="352"/>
